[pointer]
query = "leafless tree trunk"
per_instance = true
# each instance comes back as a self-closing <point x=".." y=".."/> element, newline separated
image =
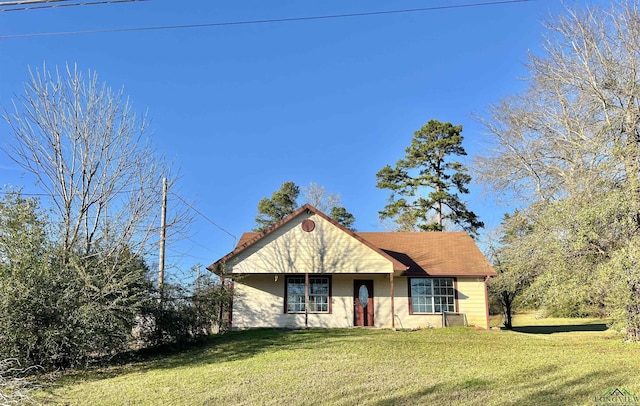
<point x="91" y="153"/>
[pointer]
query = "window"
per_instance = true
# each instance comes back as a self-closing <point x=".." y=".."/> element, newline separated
<point x="319" y="294"/>
<point x="431" y="295"/>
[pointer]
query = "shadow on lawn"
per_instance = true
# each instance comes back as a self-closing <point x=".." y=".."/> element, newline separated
<point x="566" y="328"/>
<point x="240" y="345"/>
<point x="232" y="346"/>
<point x="555" y="386"/>
<point x="548" y="385"/>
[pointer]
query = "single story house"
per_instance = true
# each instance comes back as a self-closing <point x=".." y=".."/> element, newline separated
<point x="309" y="271"/>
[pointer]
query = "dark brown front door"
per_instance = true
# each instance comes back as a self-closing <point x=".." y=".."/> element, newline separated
<point x="363" y="303"/>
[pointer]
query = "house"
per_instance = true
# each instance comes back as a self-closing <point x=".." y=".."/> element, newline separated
<point x="309" y="271"/>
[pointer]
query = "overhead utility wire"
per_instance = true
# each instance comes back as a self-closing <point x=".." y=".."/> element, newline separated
<point x="206" y="218"/>
<point x="201" y="245"/>
<point x="45" y="194"/>
<point x="267" y="21"/>
<point x="58" y="5"/>
<point x="21" y="2"/>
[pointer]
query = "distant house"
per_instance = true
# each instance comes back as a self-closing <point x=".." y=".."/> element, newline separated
<point x="309" y="271"/>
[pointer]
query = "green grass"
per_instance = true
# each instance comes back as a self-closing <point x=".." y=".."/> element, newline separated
<point x="552" y="361"/>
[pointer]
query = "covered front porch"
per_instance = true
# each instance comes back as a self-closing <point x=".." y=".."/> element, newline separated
<point x="334" y="300"/>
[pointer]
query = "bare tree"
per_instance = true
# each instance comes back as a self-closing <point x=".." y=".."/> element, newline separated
<point x="578" y="123"/>
<point x="318" y="197"/>
<point x="572" y="140"/>
<point x="329" y="203"/>
<point x="92" y="155"/>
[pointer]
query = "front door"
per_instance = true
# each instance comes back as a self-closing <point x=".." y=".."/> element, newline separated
<point x="363" y="302"/>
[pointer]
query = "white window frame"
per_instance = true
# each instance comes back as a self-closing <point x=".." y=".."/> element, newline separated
<point x="440" y="296"/>
<point x="319" y="302"/>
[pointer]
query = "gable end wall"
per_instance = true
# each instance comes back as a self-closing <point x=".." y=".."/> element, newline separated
<point x="326" y="249"/>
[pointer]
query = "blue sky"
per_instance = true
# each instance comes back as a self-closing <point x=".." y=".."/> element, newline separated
<point x="240" y="109"/>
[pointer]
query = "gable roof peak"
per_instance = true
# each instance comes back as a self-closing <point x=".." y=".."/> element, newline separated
<point x="249" y="239"/>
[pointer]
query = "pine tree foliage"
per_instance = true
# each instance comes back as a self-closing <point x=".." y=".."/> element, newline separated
<point x="283" y="202"/>
<point x="343" y="217"/>
<point x="426" y="184"/>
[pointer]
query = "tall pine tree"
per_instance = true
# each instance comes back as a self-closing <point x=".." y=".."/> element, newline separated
<point x="427" y="166"/>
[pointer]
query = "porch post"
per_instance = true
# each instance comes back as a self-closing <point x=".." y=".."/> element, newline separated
<point x="306" y="299"/>
<point x="393" y="307"/>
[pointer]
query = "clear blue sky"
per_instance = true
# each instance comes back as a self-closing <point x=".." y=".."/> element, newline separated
<point x="242" y="108"/>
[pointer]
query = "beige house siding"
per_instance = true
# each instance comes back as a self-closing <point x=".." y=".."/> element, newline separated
<point x="472" y="301"/>
<point x="290" y="250"/>
<point x="261" y="262"/>
<point x="259" y="302"/>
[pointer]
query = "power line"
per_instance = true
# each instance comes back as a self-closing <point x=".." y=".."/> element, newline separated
<point x="18" y="193"/>
<point x="44" y="194"/>
<point x="235" y="239"/>
<point x="202" y="245"/>
<point x="182" y="255"/>
<point x="43" y="4"/>
<point x="21" y="2"/>
<point x="266" y="21"/>
<point x="188" y="252"/>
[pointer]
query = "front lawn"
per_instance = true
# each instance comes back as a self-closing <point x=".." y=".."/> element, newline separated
<point x="562" y="362"/>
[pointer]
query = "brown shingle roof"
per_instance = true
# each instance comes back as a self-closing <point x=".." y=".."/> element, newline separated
<point x="246" y="237"/>
<point x="433" y="253"/>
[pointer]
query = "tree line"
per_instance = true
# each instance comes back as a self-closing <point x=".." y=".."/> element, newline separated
<point x="426" y="188"/>
<point x="567" y="150"/>
<point x="284" y="202"/>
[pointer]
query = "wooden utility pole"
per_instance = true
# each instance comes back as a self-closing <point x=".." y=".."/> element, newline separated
<point x="163" y="237"/>
<point x="198" y="279"/>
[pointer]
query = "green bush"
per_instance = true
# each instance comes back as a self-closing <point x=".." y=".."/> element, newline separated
<point x="61" y="309"/>
<point x="189" y="313"/>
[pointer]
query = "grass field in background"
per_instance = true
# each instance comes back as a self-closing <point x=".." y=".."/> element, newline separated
<point x="545" y="362"/>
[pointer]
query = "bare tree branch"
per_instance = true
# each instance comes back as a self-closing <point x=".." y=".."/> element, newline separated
<point x="93" y="155"/>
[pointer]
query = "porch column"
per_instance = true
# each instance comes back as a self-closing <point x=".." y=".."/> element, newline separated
<point x="393" y="307"/>
<point x="306" y="299"/>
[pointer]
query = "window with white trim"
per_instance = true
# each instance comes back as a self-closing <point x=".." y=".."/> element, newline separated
<point x="432" y="295"/>
<point x="319" y="294"/>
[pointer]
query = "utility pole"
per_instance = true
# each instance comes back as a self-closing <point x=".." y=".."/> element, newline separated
<point x="163" y="237"/>
<point x="198" y="278"/>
